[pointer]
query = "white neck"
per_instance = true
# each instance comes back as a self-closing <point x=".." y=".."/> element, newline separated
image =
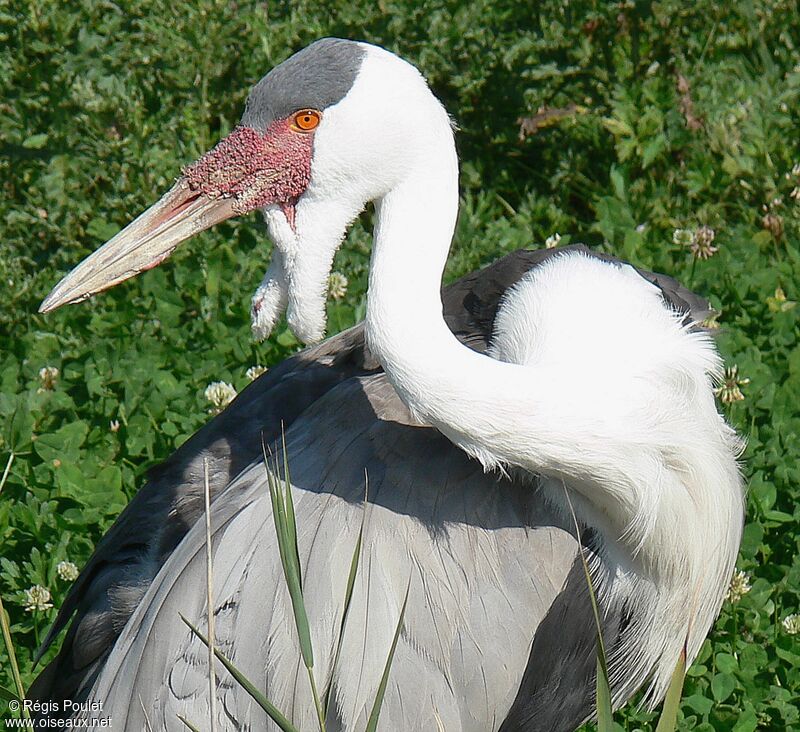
<point x="413" y="230"/>
<point x="643" y="459"/>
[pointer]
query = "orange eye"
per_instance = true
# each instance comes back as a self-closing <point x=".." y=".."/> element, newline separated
<point x="306" y="120"/>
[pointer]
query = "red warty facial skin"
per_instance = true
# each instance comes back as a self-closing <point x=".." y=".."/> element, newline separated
<point x="256" y="169"/>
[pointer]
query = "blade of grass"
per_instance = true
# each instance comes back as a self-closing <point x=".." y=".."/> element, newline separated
<point x="7" y="470"/>
<point x="187" y="723"/>
<point x="605" y="713"/>
<point x="259" y="698"/>
<point x="12" y="657"/>
<point x="286" y="531"/>
<point x="672" y="701"/>
<point x="372" y="724"/>
<point x="348" y="594"/>
<point x="293" y="573"/>
<point x="212" y="678"/>
<point x="283" y="508"/>
<point x="291" y="523"/>
<point x="6" y="628"/>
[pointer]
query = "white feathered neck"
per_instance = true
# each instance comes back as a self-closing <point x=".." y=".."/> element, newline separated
<point x="593" y="384"/>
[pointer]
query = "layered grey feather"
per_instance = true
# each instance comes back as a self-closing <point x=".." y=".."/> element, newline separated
<point x="498" y="629"/>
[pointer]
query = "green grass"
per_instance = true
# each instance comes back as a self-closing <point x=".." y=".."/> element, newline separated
<point x="101" y="104"/>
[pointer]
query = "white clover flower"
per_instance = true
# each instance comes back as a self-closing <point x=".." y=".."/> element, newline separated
<point x="791" y="624"/>
<point x="552" y="241"/>
<point x="728" y="391"/>
<point x="113" y="425"/>
<point x="68" y="571"/>
<point x="37" y="598"/>
<point x="699" y="241"/>
<point x="702" y="245"/>
<point x="255" y="371"/>
<point x="49" y="377"/>
<point x="337" y="285"/>
<point x="220" y="394"/>
<point x="683" y="237"/>
<point x="739" y="586"/>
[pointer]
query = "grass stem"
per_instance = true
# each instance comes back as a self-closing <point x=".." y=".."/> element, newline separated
<point x="317" y="703"/>
<point x="7" y="470"/>
<point x="604" y="706"/>
<point x="212" y="678"/>
<point x="187" y="723"/>
<point x="6" y="628"/>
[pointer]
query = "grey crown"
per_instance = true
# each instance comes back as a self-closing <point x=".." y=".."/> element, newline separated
<point x="317" y="77"/>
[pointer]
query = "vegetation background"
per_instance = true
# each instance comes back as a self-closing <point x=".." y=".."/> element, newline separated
<point x="610" y="123"/>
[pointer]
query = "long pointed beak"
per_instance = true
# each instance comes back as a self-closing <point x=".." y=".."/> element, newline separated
<point x="143" y="244"/>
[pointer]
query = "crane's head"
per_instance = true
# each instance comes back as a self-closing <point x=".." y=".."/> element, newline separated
<point x="325" y="132"/>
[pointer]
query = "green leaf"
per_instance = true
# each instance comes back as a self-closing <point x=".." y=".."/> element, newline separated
<point x="780" y="517"/>
<point x="101" y="229"/>
<point x="632" y="245"/>
<point x="372" y="724"/>
<point x="672" y="701"/>
<point x="762" y="238"/>
<point x="752" y="660"/>
<point x="752" y="537"/>
<point x="699" y="703"/>
<point x="653" y="149"/>
<point x="605" y="713"/>
<point x="722" y="686"/>
<point x="287" y="339"/>
<point x="63" y="444"/>
<point x="618" y="183"/>
<point x="7" y="694"/>
<point x="617" y="127"/>
<point x="35" y="142"/>
<point x="20" y="425"/>
<point x="726" y="663"/>
<point x="785" y="654"/>
<point x="747" y="722"/>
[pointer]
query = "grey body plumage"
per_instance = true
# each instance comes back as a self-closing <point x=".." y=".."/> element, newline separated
<point x="487" y="550"/>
